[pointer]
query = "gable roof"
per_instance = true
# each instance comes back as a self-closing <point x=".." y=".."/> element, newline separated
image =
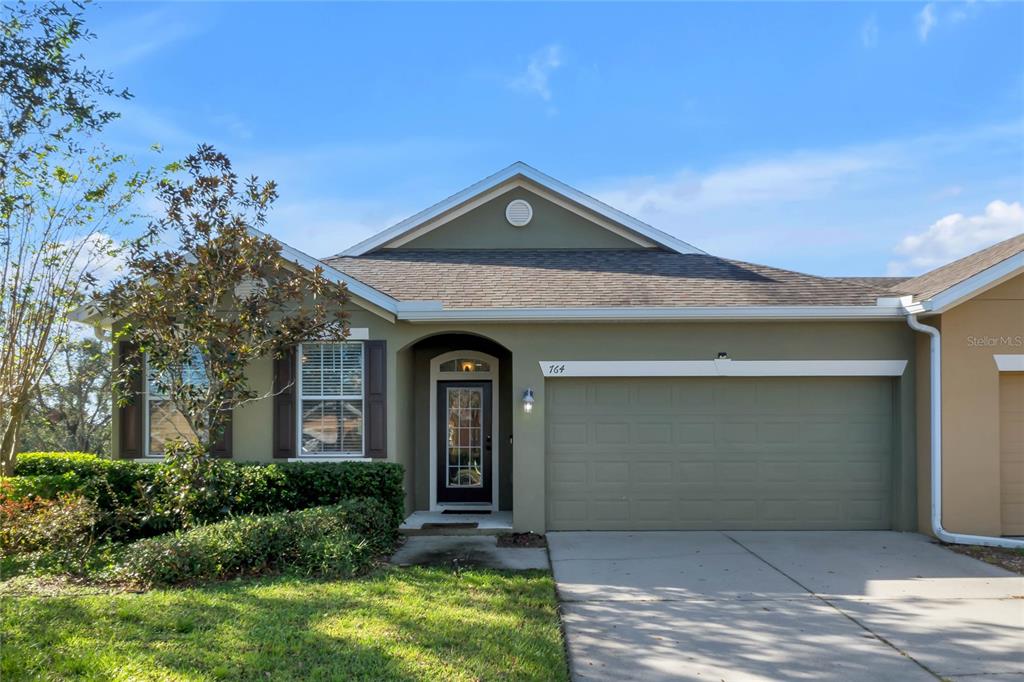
<point x="955" y="282"/>
<point x="608" y="217"/>
<point x="579" y="279"/>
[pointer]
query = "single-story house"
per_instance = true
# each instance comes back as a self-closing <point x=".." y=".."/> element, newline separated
<point x="521" y="346"/>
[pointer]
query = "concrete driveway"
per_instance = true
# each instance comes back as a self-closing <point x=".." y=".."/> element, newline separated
<point x="784" y="605"/>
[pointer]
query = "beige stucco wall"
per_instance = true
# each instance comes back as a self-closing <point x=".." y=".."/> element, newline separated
<point x="529" y="344"/>
<point x="972" y="332"/>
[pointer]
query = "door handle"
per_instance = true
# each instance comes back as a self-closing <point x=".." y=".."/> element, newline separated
<point x="488" y="441"/>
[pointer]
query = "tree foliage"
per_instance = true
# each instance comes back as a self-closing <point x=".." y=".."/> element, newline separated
<point x="207" y="292"/>
<point x="71" y="408"/>
<point x="63" y="195"/>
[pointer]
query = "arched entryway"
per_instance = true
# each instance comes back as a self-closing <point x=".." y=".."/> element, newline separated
<point x="462" y="413"/>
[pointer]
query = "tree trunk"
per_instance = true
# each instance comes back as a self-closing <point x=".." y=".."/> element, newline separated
<point x="9" y="443"/>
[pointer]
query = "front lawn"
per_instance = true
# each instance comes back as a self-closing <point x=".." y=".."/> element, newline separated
<point x="395" y="624"/>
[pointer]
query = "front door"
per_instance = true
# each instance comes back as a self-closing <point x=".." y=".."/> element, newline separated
<point x="464" y="442"/>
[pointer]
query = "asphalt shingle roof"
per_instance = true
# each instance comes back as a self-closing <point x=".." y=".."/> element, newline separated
<point x="591" y="278"/>
<point x="938" y="280"/>
<point x="882" y="283"/>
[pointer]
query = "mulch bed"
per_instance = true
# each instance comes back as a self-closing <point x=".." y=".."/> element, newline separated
<point x="522" y="540"/>
<point x="1010" y="559"/>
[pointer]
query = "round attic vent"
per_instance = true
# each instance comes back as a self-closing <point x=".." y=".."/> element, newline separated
<point x="519" y="212"/>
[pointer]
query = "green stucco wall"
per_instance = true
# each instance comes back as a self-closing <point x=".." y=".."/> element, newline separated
<point x="531" y="343"/>
<point x="552" y="227"/>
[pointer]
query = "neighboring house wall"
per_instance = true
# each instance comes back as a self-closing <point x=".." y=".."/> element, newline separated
<point x="552" y="227"/>
<point x="972" y="332"/>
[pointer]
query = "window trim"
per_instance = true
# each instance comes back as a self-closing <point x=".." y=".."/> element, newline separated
<point x="299" y="398"/>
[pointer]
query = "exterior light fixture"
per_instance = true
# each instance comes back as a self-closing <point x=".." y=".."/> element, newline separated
<point x="722" y="355"/>
<point x="528" y="401"/>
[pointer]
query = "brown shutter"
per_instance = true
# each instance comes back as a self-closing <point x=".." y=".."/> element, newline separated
<point x="376" y="399"/>
<point x="222" y="448"/>
<point x="130" y="418"/>
<point x="284" y="405"/>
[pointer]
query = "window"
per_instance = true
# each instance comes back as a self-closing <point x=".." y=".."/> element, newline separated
<point x="465" y="365"/>
<point x="164" y="422"/>
<point x="331" y="399"/>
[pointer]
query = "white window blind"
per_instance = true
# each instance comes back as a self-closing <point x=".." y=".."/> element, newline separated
<point x="331" y="397"/>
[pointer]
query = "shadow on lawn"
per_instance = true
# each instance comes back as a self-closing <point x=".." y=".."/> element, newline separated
<point x="395" y="624"/>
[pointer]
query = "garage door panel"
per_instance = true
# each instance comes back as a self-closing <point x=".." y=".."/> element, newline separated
<point x="702" y="453"/>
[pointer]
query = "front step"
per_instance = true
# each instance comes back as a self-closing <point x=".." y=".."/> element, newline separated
<point x="438" y="523"/>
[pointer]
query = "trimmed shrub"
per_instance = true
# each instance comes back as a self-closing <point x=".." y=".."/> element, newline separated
<point x="143" y="499"/>
<point x="46" y="487"/>
<point x="341" y="540"/>
<point x="122" y="490"/>
<point x="58" y="533"/>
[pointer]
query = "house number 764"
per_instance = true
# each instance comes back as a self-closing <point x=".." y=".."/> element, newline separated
<point x="556" y="369"/>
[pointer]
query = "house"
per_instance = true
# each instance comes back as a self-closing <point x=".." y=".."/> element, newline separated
<point x="521" y="346"/>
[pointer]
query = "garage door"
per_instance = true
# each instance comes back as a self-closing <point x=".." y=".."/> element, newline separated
<point x="1011" y="452"/>
<point x="719" y="453"/>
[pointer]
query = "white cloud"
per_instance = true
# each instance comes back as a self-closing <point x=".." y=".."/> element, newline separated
<point x="957" y="235"/>
<point x="926" y="21"/>
<point x="869" y="32"/>
<point x="791" y="178"/>
<point x="536" y="78"/>
<point x="828" y="210"/>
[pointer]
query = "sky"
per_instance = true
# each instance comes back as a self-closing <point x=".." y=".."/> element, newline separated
<point x="834" y="139"/>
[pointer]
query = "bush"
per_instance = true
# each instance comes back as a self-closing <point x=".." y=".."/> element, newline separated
<point x="141" y="499"/>
<point x="47" y="486"/>
<point x="341" y="540"/>
<point x="59" y="533"/>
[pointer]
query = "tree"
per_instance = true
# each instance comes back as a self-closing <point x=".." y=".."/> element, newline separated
<point x="196" y="314"/>
<point x="71" y="408"/>
<point x="61" y="195"/>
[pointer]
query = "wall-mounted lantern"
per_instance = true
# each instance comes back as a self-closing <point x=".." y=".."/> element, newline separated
<point x="528" y="401"/>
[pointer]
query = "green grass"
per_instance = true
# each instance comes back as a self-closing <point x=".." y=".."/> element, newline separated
<point x="396" y="624"/>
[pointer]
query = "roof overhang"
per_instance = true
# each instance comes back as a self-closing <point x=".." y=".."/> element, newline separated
<point x="970" y="287"/>
<point x="428" y="312"/>
<point x="520" y="174"/>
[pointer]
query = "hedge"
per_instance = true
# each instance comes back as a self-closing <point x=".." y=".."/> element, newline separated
<point x="125" y="491"/>
<point x="341" y="540"/>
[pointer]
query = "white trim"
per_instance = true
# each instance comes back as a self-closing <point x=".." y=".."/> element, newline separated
<point x="556" y="369"/>
<point x="358" y="334"/>
<point x="437" y="375"/>
<point x="822" y="312"/>
<point x="332" y="458"/>
<point x="1010" y="363"/>
<point x="520" y="169"/>
<point x="972" y="286"/>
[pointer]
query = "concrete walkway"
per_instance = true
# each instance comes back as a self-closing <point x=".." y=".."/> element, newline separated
<point x="468" y="552"/>
<point x="784" y="605"/>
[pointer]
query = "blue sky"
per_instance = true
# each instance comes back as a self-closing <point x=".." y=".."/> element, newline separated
<point x="830" y="138"/>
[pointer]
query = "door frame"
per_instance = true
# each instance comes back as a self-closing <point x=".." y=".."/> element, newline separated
<point x="437" y="375"/>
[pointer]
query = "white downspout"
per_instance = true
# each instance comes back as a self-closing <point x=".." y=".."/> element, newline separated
<point x="941" y="533"/>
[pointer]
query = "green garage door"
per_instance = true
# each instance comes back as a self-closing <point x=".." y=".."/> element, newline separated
<point x="719" y="453"/>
